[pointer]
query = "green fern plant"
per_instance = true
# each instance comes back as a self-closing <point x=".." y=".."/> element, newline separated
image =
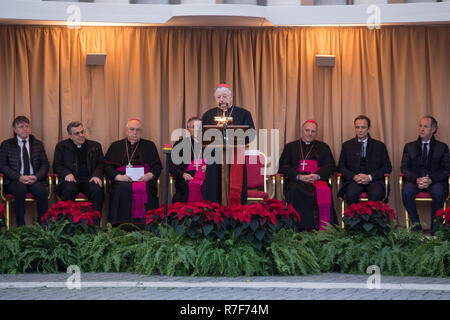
<point x="170" y="254"/>
<point x="292" y="256"/>
<point x="431" y="258"/>
<point x="44" y="251"/>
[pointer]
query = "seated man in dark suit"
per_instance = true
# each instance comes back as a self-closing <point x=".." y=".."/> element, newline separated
<point x="25" y="166"/>
<point x="425" y="167"/>
<point x="363" y="163"/>
<point x="79" y="164"/>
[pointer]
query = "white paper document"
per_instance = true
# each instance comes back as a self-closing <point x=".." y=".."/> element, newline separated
<point x="135" y="173"/>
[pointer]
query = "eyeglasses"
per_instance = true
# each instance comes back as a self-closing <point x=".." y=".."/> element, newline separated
<point x="78" y="133"/>
<point x="135" y="129"/>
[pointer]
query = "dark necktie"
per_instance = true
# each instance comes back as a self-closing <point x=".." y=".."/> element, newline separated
<point x="424" y="154"/>
<point x="363" y="154"/>
<point x="26" y="159"/>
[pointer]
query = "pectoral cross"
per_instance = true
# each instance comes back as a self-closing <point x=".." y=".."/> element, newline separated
<point x="196" y="165"/>
<point x="303" y="164"/>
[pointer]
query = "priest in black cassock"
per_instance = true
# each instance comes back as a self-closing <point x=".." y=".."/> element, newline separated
<point x="188" y="173"/>
<point x="212" y="187"/>
<point x="133" y="167"/>
<point x="306" y="165"/>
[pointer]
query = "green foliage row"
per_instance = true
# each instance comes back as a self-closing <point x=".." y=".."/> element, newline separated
<point x="32" y="249"/>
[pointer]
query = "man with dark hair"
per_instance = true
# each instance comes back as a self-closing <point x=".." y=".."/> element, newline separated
<point x="306" y="165"/>
<point x="79" y="164"/>
<point x="425" y="167"/>
<point x="133" y="166"/>
<point x="24" y="163"/>
<point x="363" y="163"/>
<point x="188" y="175"/>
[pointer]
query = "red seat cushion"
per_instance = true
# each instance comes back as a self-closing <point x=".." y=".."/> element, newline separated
<point x="423" y="195"/>
<point x="257" y="194"/>
<point x="364" y="195"/>
<point x="10" y="196"/>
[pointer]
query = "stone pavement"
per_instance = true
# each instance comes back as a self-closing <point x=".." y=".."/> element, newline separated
<point x="128" y="286"/>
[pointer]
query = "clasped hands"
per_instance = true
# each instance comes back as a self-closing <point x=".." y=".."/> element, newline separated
<point x="361" y="178"/>
<point x="423" y="182"/>
<point x="308" y="178"/>
<point x="28" y="179"/>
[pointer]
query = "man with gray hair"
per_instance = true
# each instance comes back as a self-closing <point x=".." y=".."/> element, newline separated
<point x="133" y="166"/>
<point x="79" y="164"/>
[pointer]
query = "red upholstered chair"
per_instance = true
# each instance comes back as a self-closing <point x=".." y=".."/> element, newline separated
<point x="257" y="176"/>
<point x="81" y="197"/>
<point x="363" y="196"/>
<point x="330" y="179"/>
<point x="420" y="197"/>
<point x="8" y="198"/>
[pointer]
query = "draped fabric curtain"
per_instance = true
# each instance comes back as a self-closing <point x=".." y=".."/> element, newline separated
<point x="164" y="76"/>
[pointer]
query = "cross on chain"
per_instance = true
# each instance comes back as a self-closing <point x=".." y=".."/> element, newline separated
<point x="303" y="164"/>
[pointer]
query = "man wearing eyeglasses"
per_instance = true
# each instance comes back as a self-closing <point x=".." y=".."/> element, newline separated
<point x="24" y="164"/>
<point x="79" y="164"/>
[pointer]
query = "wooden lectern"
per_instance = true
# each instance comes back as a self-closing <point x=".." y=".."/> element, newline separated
<point x="227" y="129"/>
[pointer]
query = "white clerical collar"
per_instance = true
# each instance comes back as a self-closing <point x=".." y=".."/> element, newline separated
<point x="132" y="143"/>
<point x="307" y="143"/>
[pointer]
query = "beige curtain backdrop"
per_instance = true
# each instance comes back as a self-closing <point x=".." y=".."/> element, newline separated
<point x="163" y="76"/>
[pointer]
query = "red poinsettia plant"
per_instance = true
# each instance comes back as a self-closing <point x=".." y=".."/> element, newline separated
<point x="443" y="218"/>
<point x="77" y="214"/>
<point x="256" y="222"/>
<point x="370" y="217"/>
<point x="196" y="218"/>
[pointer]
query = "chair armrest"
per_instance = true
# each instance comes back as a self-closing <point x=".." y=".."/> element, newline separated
<point x="50" y="185"/>
<point x="282" y="186"/>
<point x="1" y="187"/>
<point x="273" y="178"/>
<point x="386" y="186"/>
<point x="157" y="188"/>
<point x="170" y="185"/>
<point x="338" y="184"/>
<point x="56" y="178"/>
<point x="105" y="184"/>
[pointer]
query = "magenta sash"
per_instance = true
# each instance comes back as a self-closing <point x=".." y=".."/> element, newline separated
<point x="195" y="184"/>
<point x="323" y="192"/>
<point x="139" y="193"/>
